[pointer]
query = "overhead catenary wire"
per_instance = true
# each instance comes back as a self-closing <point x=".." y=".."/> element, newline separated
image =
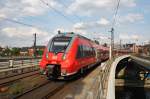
<point x="15" y="21"/>
<point x="112" y="30"/>
<point x="77" y="17"/>
<point x="19" y="22"/>
<point x="115" y="13"/>
<point x="56" y="11"/>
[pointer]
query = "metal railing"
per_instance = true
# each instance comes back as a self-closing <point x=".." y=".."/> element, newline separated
<point x="19" y="63"/>
<point x="103" y="81"/>
<point x="99" y="86"/>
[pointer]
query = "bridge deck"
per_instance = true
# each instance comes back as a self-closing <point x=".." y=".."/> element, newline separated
<point x="132" y="83"/>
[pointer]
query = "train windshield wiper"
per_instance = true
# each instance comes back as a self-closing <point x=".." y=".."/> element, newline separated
<point x="62" y="50"/>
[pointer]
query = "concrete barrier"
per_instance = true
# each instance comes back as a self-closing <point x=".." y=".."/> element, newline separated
<point x="111" y="79"/>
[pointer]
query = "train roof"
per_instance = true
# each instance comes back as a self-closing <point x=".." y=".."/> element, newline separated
<point x="71" y="34"/>
<point x="68" y="34"/>
<point x="101" y="47"/>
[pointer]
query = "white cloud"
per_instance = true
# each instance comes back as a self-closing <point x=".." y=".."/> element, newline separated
<point x="81" y="25"/>
<point x="71" y="29"/>
<point x="101" y="36"/>
<point x="22" y="32"/>
<point x="131" y="17"/>
<point x="2" y="45"/>
<point x="126" y="36"/>
<point x="2" y="16"/>
<point x="22" y="8"/>
<point x="81" y="32"/>
<point x="32" y="7"/>
<point x="62" y="29"/>
<point x="100" y="23"/>
<point x="127" y="3"/>
<point x="88" y="7"/>
<point x="103" y="21"/>
<point x="147" y="42"/>
<point x="135" y="37"/>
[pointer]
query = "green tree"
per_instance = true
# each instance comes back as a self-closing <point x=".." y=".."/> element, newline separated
<point x="15" y="51"/>
<point x="1" y="51"/>
<point x="7" y="52"/>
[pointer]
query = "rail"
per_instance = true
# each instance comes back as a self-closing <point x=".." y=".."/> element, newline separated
<point x="143" y="62"/>
<point x="19" y="63"/>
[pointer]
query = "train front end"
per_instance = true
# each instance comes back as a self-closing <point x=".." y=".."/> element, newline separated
<point x="55" y="61"/>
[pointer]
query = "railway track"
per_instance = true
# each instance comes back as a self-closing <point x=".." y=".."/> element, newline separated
<point x="7" y="80"/>
<point x="80" y="87"/>
<point x="144" y="57"/>
<point x="44" y="88"/>
<point x="43" y="91"/>
<point x="9" y="86"/>
<point x="51" y="88"/>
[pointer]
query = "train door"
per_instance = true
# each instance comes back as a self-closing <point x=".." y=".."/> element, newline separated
<point x="97" y="55"/>
<point x="80" y="57"/>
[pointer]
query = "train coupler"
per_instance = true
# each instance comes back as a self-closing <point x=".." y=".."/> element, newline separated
<point x="53" y="71"/>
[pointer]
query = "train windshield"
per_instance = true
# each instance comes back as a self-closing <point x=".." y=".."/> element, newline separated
<point x="59" y="44"/>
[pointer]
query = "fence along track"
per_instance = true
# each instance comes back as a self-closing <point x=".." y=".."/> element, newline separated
<point x="18" y="70"/>
<point x="19" y="63"/>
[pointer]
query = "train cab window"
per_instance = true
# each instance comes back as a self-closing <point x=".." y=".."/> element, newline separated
<point x="59" y="44"/>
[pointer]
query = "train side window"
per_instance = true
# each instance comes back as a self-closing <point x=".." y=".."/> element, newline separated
<point x="93" y="52"/>
<point x="79" y="52"/>
<point x="89" y="51"/>
<point x="84" y="51"/>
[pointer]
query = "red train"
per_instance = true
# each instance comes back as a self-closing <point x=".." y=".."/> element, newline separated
<point x="69" y="53"/>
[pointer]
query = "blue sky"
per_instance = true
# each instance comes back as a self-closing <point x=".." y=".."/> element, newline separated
<point x="91" y="18"/>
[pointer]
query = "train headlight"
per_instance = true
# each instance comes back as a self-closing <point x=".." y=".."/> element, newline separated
<point x="47" y="55"/>
<point x="64" y="71"/>
<point x="64" y="57"/>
